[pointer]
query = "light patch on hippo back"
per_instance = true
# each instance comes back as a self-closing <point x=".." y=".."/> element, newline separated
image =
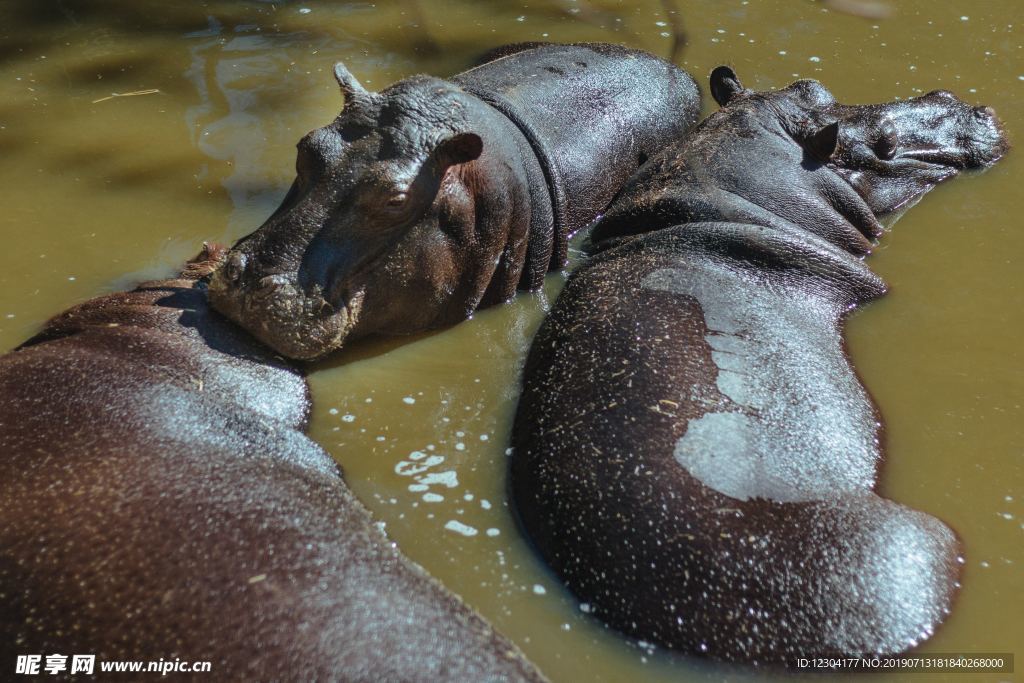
<point x="801" y="426"/>
<point x="722" y="450"/>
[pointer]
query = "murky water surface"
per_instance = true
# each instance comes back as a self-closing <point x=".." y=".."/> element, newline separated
<point x="100" y="190"/>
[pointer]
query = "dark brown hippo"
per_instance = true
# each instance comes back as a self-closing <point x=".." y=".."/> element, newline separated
<point x="693" y="453"/>
<point x="159" y="501"/>
<point x="432" y="198"/>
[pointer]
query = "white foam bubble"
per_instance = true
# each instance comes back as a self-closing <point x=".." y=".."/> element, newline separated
<point x="460" y="528"/>
<point x="448" y="478"/>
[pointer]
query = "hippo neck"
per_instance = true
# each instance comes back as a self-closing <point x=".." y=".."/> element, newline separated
<point x="795" y="195"/>
<point x="814" y="217"/>
<point x="559" y="229"/>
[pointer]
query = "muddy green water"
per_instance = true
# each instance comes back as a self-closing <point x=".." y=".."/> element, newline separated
<point x="99" y="193"/>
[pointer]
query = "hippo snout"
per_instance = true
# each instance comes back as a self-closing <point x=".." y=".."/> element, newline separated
<point x="988" y="138"/>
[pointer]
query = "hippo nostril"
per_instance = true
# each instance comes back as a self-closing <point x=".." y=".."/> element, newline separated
<point x="268" y="286"/>
<point x="234" y="267"/>
<point x="984" y="113"/>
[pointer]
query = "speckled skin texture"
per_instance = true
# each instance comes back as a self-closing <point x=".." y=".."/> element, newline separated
<point x="432" y="198"/>
<point x="158" y="500"/>
<point x="693" y="453"/>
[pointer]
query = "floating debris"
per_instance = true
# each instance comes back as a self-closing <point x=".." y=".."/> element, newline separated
<point x="126" y="94"/>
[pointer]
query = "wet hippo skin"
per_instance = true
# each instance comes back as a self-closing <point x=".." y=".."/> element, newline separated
<point x="694" y="455"/>
<point x="159" y="500"/>
<point x="423" y="202"/>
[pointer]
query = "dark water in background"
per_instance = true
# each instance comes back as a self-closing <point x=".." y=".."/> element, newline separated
<point x="99" y="194"/>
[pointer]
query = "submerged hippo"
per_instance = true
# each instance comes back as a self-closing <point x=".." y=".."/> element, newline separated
<point x="159" y="501"/>
<point x="694" y="455"/>
<point x="432" y="198"/>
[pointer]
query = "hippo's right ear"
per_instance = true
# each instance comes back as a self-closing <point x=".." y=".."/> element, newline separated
<point x="351" y="88"/>
<point x="725" y="85"/>
<point x="459" y="149"/>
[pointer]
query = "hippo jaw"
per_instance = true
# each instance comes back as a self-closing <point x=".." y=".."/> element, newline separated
<point x="294" y="322"/>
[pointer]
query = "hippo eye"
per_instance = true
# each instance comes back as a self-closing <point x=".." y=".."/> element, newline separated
<point x="885" y="146"/>
<point x="398" y="199"/>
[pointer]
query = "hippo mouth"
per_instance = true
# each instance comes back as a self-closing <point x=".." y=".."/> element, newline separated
<point x="296" y="323"/>
<point x="984" y="146"/>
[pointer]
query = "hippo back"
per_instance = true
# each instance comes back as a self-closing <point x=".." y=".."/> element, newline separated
<point x="159" y="499"/>
<point x="593" y="113"/>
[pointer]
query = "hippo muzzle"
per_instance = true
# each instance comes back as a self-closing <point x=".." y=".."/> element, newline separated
<point x="297" y="322"/>
<point x="893" y="154"/>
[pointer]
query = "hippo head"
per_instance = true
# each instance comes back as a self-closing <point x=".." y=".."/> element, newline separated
<point x="378" y="233"/>
<point x="796" y="158"/>
<point x="890" y="154"/>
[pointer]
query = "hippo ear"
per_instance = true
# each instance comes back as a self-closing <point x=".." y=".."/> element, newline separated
<point x="351" y="88"/>
<point x="823" y="143"/>
<point x="459" y="149"/>
<point x="725" y="85"/>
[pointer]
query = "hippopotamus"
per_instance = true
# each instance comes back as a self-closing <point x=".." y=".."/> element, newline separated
<point x="693" y="453"/>
<point x="420" y="204"/>
<point x="160" y="501"/>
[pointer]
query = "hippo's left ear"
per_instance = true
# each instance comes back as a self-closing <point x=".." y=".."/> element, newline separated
<point x="725" y="85"/>
<point x="351" y="88"/>
<point x="459" y="149"/>
<point x="824" y="142"/>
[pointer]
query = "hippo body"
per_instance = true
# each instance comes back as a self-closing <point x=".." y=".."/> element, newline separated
<point x="592" y="113"/>
<point x="693" y="453"/>
<point x="432" y="198"/>
<point x="159" y="501"/>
